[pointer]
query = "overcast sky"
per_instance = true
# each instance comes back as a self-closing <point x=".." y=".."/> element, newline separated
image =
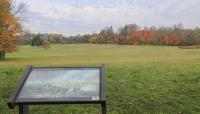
<point x="71" y="17"/>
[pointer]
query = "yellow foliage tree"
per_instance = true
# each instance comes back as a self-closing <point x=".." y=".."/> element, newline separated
<point x="92" y="40"/>
<point x="10" y="29"/>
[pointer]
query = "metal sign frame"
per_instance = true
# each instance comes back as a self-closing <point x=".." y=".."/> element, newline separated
<point x="23" y="105"/>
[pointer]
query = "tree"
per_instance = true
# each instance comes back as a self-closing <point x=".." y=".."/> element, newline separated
<point x="106" y="36"/>
<point x="124" y="34"/>
<point x="92" y="40"/>
<point x="171" y="39"/>
<point x="10" y="29"/>
<point x="55" y="38"/>
<point x="37" y="40"/>
<point x="26" y="38"/>
<point x="45" y="44"/>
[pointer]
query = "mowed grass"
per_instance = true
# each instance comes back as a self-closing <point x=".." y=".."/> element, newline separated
<point x="139" y="79"/>
<point x="88" y="54"/>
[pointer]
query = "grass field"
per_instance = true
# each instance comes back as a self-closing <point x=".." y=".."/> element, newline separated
<point x="140" y="79"/>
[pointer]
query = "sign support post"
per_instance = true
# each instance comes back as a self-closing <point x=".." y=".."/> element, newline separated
<point x="103" y="107"/>
<point x="23" y="109"/>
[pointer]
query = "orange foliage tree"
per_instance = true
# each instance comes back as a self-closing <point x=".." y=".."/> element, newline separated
<point x="10" y="29"/>
<point x="171" y="39"/>
<point x="142" y="37"/>
<point x="106" y="35"/>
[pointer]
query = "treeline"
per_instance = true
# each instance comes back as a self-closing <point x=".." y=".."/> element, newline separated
<point x="38" y="39"/>
<point x="130" y="34"/>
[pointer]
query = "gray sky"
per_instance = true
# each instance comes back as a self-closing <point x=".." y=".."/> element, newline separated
<point x="71" y="17"/>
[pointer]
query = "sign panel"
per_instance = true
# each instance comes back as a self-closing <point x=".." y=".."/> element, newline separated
<point x="59" y="85"/>
<point x="65" y="83"/>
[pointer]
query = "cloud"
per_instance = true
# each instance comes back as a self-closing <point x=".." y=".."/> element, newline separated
<point x="85" y="16"/>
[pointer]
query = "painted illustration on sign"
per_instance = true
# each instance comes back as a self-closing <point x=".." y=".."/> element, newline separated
<point x="62" y="83"/>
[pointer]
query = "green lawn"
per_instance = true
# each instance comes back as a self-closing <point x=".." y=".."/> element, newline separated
<point x="140" y="79"/>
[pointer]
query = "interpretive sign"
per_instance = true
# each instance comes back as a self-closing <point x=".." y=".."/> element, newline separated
<point x="59" y="85"/>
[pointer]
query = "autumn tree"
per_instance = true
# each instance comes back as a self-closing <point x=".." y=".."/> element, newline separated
<point x="125" y="33"/>
<point x="106" y="35"/>
<point x="45" y="44"/>
<point x="92" y="40"/>
<point x="55" y="38"/>
<point x="10" y="28"/>
<point x="171" y="39"/>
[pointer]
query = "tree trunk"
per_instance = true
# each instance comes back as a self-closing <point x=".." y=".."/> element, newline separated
<point x="2" y="54"/>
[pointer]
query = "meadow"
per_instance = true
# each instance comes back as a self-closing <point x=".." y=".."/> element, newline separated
<point x="139" y="79"/>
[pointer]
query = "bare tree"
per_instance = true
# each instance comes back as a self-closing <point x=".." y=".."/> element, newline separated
<point x="18" y="10"/>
